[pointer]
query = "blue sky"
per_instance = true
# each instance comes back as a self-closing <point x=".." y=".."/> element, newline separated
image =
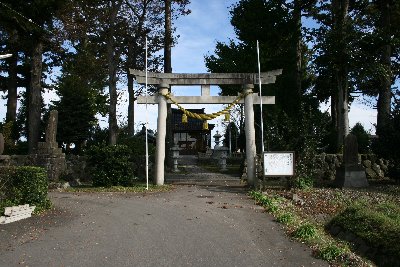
<point x="208" y="23"/>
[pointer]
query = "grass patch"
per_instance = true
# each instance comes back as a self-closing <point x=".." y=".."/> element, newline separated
<point x="323" y="245"/>
<point x="331" y="252"/>
<point x="285" y="218"/>
<point x="368" y="220"/>
<point x="137" y="188"/>
<point x="305" y="232"/>
<point x="268" y="203"/>
<point x="377" y="224"/>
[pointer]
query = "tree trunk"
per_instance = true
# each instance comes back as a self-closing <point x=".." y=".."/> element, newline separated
<point x="168" y="38"/>
<point x="340" y="15"/>
<point x="298" y="46"/>
<point x="131" y="92"/>
<point x="131" y="106"/>
<point x="384" y="99"/>
<point x="133" y="47"/>
<point x="12" y="97"/>
<point x="342" y="108"/>
<point x="112" y="75"/>
<point x="34" y="97"/>
<point x="168" y="69"/>
<point x="334" y="106"/>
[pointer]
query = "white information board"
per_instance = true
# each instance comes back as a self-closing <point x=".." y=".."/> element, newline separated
<point x="278" y="163"/>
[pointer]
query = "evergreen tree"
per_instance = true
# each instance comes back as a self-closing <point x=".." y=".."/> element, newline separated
<point x="79" y="89"/>
<point x="32" y="19"/>
<point x="362" y="138"/>
<point x="273" y="24"/>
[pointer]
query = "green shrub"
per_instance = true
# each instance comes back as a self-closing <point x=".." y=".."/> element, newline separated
<point x="265" y="201"/>
<point x="111" y="165"/>
<point x="378" y="225"/>
<point x="363" y="138"/>
<point x="137" y="148"/>
<point x="285" y="218"/>
<point x="304" y="182"/>
<point x="24" y="185"/>
<point x="305" y="232"/>
<point x="330" y="252"/>
<point x="388" y="144"/>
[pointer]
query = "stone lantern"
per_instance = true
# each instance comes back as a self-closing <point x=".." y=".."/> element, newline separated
<point x="217" y="138"/>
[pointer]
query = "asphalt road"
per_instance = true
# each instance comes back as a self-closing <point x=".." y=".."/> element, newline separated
<point x="190" y="226"/>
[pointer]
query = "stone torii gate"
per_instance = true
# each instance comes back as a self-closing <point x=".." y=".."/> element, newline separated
<point x="165" y="80"/>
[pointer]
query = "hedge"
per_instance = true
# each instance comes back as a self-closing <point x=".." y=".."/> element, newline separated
<point x="111" y="166"/>
<point x="24" y="185"/>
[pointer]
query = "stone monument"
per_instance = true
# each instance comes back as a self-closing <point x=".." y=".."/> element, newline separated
<point x="175" y="155"/>
<point x="223" y="155"/>
<point x="48" y="154"/>
<point x="1" y="144"/>
<point x="351" y="173"/>
<point x="51" y="130"/>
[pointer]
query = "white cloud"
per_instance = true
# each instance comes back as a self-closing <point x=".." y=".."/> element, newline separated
<point x="358" y="113"/>
<point x="366" y="116"/>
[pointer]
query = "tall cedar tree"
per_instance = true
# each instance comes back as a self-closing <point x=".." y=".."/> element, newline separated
<point x="337" y="59"/>
<point x="277" y="29"/>
<point x="80" y="100"/>
<point x="32" y="19"/>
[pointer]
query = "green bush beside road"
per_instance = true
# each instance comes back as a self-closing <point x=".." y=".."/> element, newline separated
<point x="111" y="165"/>
<point x="24" y="185"/>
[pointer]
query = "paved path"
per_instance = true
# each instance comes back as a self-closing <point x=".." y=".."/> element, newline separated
<point x="190" y="226"/>
<point x="194" y="174"/>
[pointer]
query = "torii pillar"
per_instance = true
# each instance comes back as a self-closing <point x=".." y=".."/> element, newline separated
<point x="164" y="80"/>
<point x="161" y="133"/>
<point x="250" y="133"/>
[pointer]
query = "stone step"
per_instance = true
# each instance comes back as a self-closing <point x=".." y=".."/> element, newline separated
<point x="9" y="211"/>
<point x="16" y="213"/>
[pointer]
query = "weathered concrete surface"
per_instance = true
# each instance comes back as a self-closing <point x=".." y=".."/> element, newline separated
<point x="250" y="135"/>
<point x="191" y="226"/>
<point x="161" y="134"/>
<point x="204" y="78"/>
<point x="267" y="100"/>
<point x="351" y="173"/>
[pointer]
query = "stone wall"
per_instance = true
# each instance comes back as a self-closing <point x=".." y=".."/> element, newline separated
<point x="58" y="166"/>
<point x="16" y="160"/>
<point x="47" y="154"/>
<point x="326" y="164"/>
<point x="77" y="169"/>
<point x="54" y="164"/>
